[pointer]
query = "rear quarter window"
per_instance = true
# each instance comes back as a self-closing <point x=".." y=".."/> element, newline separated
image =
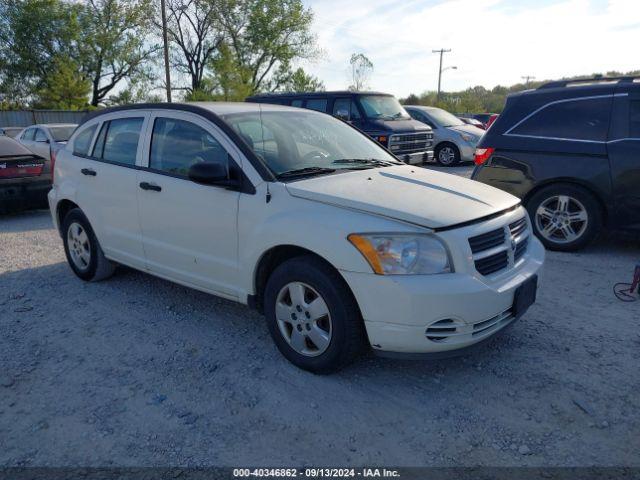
<point x="319" y="104"/>
<point x="576" y="119"/>
<point x="82" y="141"/>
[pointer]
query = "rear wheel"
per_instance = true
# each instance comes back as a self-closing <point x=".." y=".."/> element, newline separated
<point x="312" y="316"/>
<point x="82" y="249"/>
<point x="565" y="217"/>
<point x="447" y="154"/>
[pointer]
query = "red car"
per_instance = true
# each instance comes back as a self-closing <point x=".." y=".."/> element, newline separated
<point x="491" y="119"/>
<point x="25" y="178"/>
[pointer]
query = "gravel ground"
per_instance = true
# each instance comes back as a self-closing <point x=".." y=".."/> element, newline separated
<point x="136" y="371"/>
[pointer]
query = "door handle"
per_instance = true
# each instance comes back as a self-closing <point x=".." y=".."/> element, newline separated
<point x="150" y="186"/>
<point x="88" y="171"/>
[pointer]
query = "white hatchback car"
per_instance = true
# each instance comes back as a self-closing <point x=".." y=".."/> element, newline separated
<point x="301" y="216"/>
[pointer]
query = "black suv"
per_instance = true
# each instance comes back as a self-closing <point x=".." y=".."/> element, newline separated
<point x="571" y="151"/>
<point x="379" y="115"/>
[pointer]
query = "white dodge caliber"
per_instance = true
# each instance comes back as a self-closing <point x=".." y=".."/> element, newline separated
<point x="301" y="216"/>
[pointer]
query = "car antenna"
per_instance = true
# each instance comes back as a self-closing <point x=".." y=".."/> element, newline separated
<point x="268" y="197"/>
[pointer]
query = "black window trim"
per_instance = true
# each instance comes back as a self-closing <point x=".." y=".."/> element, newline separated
<point x="259" y="165"/>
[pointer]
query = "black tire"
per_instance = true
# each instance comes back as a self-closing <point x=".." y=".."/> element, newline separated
<point x="580" y="197"/>
<point x="441" y="148"/>
<point x="98" y="267"/>
<point x="348" y="339"/>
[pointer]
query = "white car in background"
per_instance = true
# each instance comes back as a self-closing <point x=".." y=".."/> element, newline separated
<point x="454" y="140"/>
<point x="301" y="216"/>
<point x="45" y="140"/>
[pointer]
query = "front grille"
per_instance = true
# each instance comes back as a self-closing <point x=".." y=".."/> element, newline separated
<point x="492" y="263"/>
<point x="488" y="240"/>
<point x="520" y="249"/>
<point x="501" y="248"/>
<point x="410" y="142"/>
<point x="518" y="227"/>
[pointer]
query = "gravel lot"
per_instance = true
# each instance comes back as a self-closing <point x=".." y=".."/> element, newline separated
<point x="136" y="371"/>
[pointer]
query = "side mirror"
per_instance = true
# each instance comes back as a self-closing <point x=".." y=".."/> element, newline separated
<point x="343" y="114"/>
<point x="212" y="173"/>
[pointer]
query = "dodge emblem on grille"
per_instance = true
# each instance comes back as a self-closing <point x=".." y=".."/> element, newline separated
<point x="513" y="245"/>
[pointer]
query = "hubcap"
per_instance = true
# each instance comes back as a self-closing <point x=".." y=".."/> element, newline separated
<point x="78" y="244"/>
<point x="446" y="155"/>
<point x="303" y="319"/>
<point x="561" y="219"/>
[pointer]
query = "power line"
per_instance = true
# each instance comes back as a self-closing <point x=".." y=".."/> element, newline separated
<point x="527" y="79"/>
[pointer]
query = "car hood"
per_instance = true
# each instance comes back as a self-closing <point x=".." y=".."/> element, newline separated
<point x="411" y="194"/>
<point x="470" y="129"/>
<point x="399" y="126"/>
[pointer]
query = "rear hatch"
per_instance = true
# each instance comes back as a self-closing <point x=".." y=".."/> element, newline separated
<point x="16" y="161"/>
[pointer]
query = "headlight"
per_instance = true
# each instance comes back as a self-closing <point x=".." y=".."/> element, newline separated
<point x="467" y="138"/>
<point x="402" y="254"/>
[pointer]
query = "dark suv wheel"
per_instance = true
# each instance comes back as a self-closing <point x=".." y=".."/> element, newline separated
<point x="312" y="316"/>
<point x="564" y="217"/>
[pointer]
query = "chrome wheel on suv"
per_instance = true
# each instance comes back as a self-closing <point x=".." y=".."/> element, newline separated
<point x="564" y="216"/>
<point x="303" y="319"/>
<point x="561" y="219"/>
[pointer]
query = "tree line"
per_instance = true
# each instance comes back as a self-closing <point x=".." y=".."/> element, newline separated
<point x="66" y="54"/>
<point x="480" y="99"/>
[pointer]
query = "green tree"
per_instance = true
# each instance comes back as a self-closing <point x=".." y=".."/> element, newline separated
<point x="64" y="88"/>
<point x="301" y="81"/>
<point x="361" y="70"/>
<point x="193" y="29"/>
<point x="33" y="34"/>
<point x="113" y="45"/>
<point x="266" y="36"/>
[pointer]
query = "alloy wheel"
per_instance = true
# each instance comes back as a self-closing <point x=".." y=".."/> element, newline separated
<point x="561" y="219"/>
<point x="446" y="155"/>
<point x="78" y="245"/>
<point x="303" y="319"/>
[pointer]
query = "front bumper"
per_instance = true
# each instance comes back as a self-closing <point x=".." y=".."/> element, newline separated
<point x="467" y="151"/>
<point x="416" y="158"/>
<point x="398" y="310"/>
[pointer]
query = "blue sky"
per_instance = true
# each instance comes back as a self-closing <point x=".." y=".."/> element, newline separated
<point x="492" y="41"/>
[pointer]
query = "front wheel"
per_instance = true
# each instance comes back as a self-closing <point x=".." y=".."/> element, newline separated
<point x="564" y="217"/>
<point x="312" y="316"/>
<point x="447" y="154"/>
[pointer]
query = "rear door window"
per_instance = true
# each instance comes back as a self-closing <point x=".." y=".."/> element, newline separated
<point x="40" y="136"/>
<point x="83" y="141"/>
<point x="634" y="119"/>
<point x="118" y="141"/>
<point x="318" y="104"/>
<point x="28" y="134"/>
<point x="296" y="103"/>
<point x="176" y="145"/>
<point x="569" y="120"/>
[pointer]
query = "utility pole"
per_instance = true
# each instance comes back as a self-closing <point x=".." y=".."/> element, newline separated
<point x="166" y="51"/>
<point x="527" y="79"/>
<point x="441" y="52"/>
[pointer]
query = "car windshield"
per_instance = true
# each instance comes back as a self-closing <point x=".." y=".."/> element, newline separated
<point x="383" y="106"/>
<point x="442" y="118"/>
<point x="62" y="134"/>
<point x="306" y="142"/>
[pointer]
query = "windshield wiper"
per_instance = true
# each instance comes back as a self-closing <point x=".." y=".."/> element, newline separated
<point x="300" y="172"/>
<point x="365" y="161"/>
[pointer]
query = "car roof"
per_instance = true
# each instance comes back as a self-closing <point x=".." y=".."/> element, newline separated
<point x="219" y="109"/>
<point x="318" y="94"/>
<point x="422" y="107"/>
